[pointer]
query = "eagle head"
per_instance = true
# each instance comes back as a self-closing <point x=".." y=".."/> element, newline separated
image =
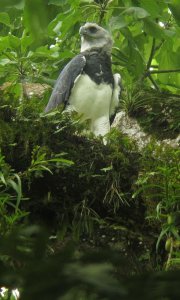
<point x="94" y="36"/>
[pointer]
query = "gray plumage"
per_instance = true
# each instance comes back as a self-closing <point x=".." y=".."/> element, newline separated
<point x="65" y="82"/>
<point x="87" y="84"/>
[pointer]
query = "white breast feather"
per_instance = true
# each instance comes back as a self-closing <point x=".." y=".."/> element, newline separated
<point x="93" y="101"/>
<point x="89" y="98"/>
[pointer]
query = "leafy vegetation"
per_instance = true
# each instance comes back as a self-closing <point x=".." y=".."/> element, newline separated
<point x="160" y="182"/>
<point x="78" y="219"/>
<point x="157" y="113"/>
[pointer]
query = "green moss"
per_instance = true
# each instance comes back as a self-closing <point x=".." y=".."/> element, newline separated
<point x="79" y="187"/>
<point x="157" y="113"/>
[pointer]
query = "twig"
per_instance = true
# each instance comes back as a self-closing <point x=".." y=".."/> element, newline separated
<point x="154" y="83"/>
<point x="149" y="72"/>
<point x="163" y="71"/>
<point x="102" y="11"/>
<point x="159" y="46"/>
<point x="155" y="66"/>
<point x="151" y="54"/>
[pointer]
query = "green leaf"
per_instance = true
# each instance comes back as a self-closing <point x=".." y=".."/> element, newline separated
<point x="135" y="62"/>
<point x="120" y="55"/>
<point x="26" y="41"/>
<point x="137" y="12"/>
<point x="55" y="26"/>
<point x="107" y="169"/>
<point x="62" y="160"/>
<point x="167" y="60"/>
<point x="2" y="178"/>
<point x="43" y="51"/>
<point x="4" y="19"/>
<point x="69" y="22"/>
<point x="152" y="7"/>
<point x="175" y="9"/>
<point x="4" y="43"/>
<point x="74" y="3"/>
<point x="36" y="18"/>
<point x="17" y="188"/>
<point x="163" y="232"/>
<point x="58" y="2"/>
<point x="15" y="89"/>
<point x="5" y="61"/>
<point x="11" y="4"/>
<point x="118" y="22"/>
<point x="152" y="28"/>
<point x="42" y="168"/>
<point x="14" y="41"/>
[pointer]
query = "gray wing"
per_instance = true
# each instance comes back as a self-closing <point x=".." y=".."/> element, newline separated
<point x="65" y="81"/>
<point x="115" y="96"/>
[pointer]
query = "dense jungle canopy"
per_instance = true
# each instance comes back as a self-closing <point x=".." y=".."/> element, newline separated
<point x="80" y="219"/>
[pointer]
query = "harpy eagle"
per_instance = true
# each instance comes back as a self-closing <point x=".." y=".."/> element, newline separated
<point x="86" y="84"/>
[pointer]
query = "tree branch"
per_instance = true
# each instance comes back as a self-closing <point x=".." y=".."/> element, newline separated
<point x="163" y="71"/>
<point x="159" y="46"/>
<point x="154" y="83"/>
<point x="155" y="66"/>
<point x="151" y="54"/>
<point x="103" y="11"/>
<point x="149" y="72"/>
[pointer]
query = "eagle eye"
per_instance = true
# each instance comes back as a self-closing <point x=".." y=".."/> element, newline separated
<point x="93" y="29"/>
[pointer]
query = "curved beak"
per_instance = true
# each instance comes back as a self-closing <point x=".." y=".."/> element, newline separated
<point x="82" y="30"/>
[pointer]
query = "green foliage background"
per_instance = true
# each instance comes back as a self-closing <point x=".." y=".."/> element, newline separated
<point x="146" y="44"/>
<point x="56" y="180"/>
